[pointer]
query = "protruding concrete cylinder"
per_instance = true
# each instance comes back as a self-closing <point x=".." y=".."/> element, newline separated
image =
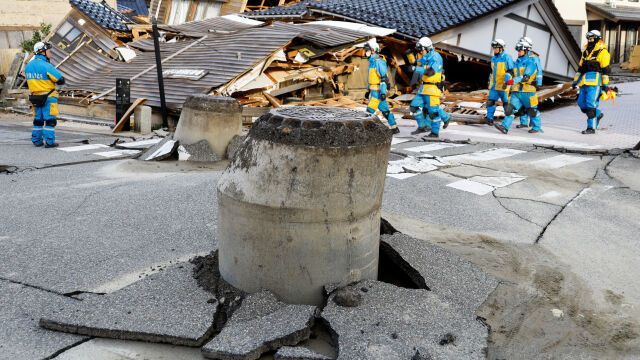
<point x="216" y="119"/>
<point x="299" y="204"/>
<point x="142" y="122"/>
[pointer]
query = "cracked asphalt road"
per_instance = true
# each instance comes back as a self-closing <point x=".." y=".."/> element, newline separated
<point x="561" y="238"/>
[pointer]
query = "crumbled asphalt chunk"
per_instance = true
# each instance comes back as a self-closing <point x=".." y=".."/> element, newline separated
<point x="455" y="280"/>
<point x="132" y="313"/>
<point x="421" y="355"/>
<point x="347" y="297"/>
<point x="20" y="336"/>
<point x="418" y="317"/>
<point x="386" y="228"/>
<point x="234" y="145"/>
<point x="298" y="353"/>
<point x="448" y="339"/>
<point x="163" y="150"/>
<point x="199" y="152"/>
<point x="261" y="324"/>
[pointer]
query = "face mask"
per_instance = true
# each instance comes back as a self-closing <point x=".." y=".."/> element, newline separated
<point x="368" y="53"/>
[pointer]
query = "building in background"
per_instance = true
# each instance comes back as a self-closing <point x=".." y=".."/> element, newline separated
<point x="618" y="20"/>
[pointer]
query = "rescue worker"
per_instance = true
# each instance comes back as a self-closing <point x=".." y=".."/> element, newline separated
<point x="428" y="97"/>
<point x="501" y="78"/>
<point x="593" y="78"/>
<point x="42" y="78"/>
<point x="378" y="84"/>
<point x="524" y="118"/>
<point x="416" y="109"/>
<point x="523" y="91"/>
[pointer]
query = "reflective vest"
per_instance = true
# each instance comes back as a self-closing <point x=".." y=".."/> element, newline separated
<point x="41" y="76"/>
<point x="500" y="66"/>
<point x="430" y="83"/>
<point x="526" y="75"/>
<point x="377" y="72"/>
<point x="594" y="66"/>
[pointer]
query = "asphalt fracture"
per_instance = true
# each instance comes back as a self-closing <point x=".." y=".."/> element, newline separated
<point x="541" y="263"/>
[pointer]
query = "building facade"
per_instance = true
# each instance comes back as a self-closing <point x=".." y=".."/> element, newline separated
<point x="618" y="20"/>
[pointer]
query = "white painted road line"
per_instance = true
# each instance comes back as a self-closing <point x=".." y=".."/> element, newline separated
<point x="117" y="153"/>
<point x="432" y="147"/>
<point x="396" y="141"/>
<point x="498" y="181"/>
<point x="487" y="155"/>
<point x="522" y="139"/>
<point x="140" y="144"/>
<point x="559" y="161"/>
<point x="83" y="147"/>
<point x="410" y="164"/>
<point x="402" y="176"/>
<point x="472" y="187"/>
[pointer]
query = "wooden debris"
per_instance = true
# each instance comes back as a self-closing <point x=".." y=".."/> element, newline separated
<point x="127" y="115"/>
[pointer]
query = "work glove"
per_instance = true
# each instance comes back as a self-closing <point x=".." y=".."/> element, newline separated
<point x="510" y="82"/>
<point x="605" y="88"/>
<point x="366" y="95"/>
<point x="574" y="85"/>
<point x="383" y="97"/>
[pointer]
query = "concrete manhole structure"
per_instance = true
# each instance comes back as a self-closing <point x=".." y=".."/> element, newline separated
<point x="299" y="204"/>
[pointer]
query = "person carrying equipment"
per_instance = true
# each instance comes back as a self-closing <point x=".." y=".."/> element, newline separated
<point x="523" y="91"/>
<point x="42" y="78"/>
<point x="430" y="65"/>
<point x="593" y="79"/>
<point x="378" y="84"/>
<point x="501" y="78"/>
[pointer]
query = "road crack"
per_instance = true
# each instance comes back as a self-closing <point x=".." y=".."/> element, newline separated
<point x="512" y="211"/>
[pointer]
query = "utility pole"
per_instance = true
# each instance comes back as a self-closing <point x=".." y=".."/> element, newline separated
<point x="156" y="46"/>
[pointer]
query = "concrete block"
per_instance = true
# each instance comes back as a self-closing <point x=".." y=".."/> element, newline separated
<point x="300" y="202"/>
<point x="162" y="150"/>
<point x="143" y="121"/>
<point x="216" y="119"/>
<point x="167" y="307"/>
<point x="198" y="152"/>
<point x="398" y="323"/>
<point x="261" y="324"/>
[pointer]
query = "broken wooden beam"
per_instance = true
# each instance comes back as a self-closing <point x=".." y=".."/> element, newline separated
<point x="127" y="115"/>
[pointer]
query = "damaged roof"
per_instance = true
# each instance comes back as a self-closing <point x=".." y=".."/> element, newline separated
<point x="102" y="14"/>
<point x="415" y="18"/>
<point x="139" y="7"/>
<point x="222" y="57"/>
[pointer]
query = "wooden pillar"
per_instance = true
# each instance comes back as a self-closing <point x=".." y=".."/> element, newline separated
<point x="618" y="45"/>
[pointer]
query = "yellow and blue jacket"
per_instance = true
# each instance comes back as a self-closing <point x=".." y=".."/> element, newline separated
<point x="431" y="68"/>
<point x="502" y="67"/>
<point x="377" y="79"/>
<point x="42" y="76"/>
<point x="594" y="66"/>
<point x="525" y="79"/>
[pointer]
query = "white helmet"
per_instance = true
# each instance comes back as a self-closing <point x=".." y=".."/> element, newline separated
<point x="41" y="46"/>
<point x="424" y="44"/>
<point x="594" y="34"/>
<point x="498" y="43"/>
<point x="372" y="45"/>
<point x="527" y="40"/>
<point x="523" y="45"/>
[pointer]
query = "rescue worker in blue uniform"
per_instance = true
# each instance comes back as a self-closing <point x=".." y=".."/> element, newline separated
<point x="500" y="80"/>
<point x="430" y="92"/>
<point x="593" y="78"/>
<point x="378" y="84"/>
<point x="417" y="109"/>
<point x="524" y="118"/>
<point x="42" y="78"/>
<point x="523" y="91"/>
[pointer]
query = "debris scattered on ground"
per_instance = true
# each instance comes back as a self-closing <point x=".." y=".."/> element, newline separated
<point x="138" y="145"/>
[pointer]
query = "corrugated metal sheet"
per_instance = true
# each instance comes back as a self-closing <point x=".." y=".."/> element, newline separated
<point x="323" y="35"/>
<point x="205" y="26"/>
<point x="224" y="56"/>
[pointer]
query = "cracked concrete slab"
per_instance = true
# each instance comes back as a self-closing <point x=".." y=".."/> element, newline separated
<point x="111" y="349"/>
<point x="167" y="307"/>
<point x="162" y="150"/>
<point x="597" y="234"/>
<point x="298" y="353"/>
<point x="262" y="323"/>
<point x="397" y="323"/>
<point x="455" y="280"/>
<point x="625" y="170"/>
<point x="20" y="336"/>
<point x="535" y="212"/>
<point x="427" y="197"/>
